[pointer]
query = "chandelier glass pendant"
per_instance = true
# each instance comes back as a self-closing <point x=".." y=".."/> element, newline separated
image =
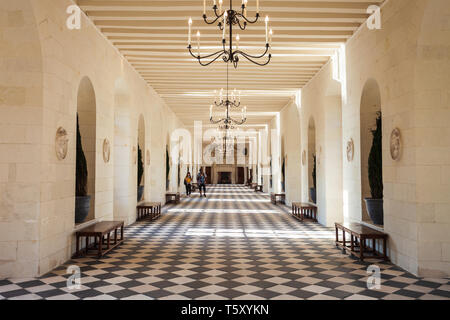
<point x="230" y="52"/>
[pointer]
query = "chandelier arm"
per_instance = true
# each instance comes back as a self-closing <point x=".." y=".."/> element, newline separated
<point x="210" y="62"/>
<point x="252" y="56"/>
<point x="216" y="122"/>
<point x="240" y="26"/>
<point x="220" y="52"/>
<point x="239" y="123"/>
<point x="238" y="14"/>
<point x="205" y="18"/>
<point x="257" y="63"/>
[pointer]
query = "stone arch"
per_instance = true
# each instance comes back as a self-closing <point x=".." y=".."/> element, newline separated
<point x="87" y="121"/>
<point x="370" y="107"/>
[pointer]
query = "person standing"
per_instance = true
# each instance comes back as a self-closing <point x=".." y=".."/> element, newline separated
<point x="201" y="180"/>
<point x="188" y="184"/>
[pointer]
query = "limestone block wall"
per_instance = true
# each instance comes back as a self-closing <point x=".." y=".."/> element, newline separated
<point x="321" y="106"/>
<point x="42" y="64"/>
<point x="395" y="59"/>
<point x="21" y="135"/>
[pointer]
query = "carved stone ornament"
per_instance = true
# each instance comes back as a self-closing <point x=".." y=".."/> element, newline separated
<point x="61" y="143"/>
<point x="396" y="144"/>
<point x="134" y="155"/>
<point x="147" y="157"/>
<point x="350" y="150"/>
<point x="106" y="150"/>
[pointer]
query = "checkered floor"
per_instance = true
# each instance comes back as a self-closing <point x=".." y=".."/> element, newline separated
<point x="232" y="245"/>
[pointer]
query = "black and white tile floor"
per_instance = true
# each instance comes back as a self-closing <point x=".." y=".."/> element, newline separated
<point x="233" y="245"/>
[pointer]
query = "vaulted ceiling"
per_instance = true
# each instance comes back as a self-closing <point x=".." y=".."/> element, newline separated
<point x="152" y="35"/>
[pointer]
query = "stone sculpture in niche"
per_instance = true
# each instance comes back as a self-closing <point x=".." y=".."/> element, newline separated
<point x="61" y="143"/>
<point x="350" y="150"/>
<point x="396" y="144"/>
<point x="148" y="157"/>
<point x="106" y="150"/>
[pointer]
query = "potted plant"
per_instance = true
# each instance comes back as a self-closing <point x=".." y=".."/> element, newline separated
<point x="140" y="168"/>
<point x="167" y="169"/>
<point x="374" y="205"/>
<point x="82" y="199"/>
<point x="312" y="191"/>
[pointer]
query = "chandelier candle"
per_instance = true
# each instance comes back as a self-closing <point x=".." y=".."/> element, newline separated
<point x="229" y="19"/>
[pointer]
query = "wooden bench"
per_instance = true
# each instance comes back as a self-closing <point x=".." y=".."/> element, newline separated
<point x="148" y="209"/>
<point x="253" y="185"/>
<point x="304" y="211"/>
<point x="194" y="187"/>
<point x="359" y="235"/>
<point x="275" y="196"/>
<point x="259" y="188"/>
<point x="173" y="197"/>
<point x="101" y="232"/>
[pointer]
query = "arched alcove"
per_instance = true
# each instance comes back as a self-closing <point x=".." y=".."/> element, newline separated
<point x="312" y="163"/>
<point x="141" y="147"/>
<point x="369" y="112"/>
<point x="86" y="140"/>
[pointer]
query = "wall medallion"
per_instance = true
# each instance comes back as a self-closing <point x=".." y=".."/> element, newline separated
<point x="61" y="143"/>
<point x="106" y="150"/>
<point x="396" y="144"/>
<point x="147" y="156"/>
<point x="350" y="150"/>
<point x="134" y="155"/>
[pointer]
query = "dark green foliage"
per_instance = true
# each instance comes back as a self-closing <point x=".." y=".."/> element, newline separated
<point x="376" y="161"/>
<point x="314" y="172"/>
<point x="167" y="165"/>
<point x="140" y="167"/>
<point x="81" y="167"/>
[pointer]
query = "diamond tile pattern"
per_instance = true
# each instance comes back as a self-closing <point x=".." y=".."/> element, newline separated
<point x="232" y="245"/>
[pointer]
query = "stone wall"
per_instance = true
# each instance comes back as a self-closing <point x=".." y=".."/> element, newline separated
<point x="42" y="65"/>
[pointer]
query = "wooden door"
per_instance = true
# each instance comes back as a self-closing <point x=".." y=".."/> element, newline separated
<point x="208" y="175"/>
<point x="241" y="175"/>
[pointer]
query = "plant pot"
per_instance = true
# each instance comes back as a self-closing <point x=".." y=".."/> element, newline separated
<point x="140" y="193"/>
<point x="375" y="210"/>
<point x="82" y="207"/>
<point x="312" y="194"/>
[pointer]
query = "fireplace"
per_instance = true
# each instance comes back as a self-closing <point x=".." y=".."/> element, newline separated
<point x="224" y="177"/>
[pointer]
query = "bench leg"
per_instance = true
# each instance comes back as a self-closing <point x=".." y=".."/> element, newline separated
<point x="385" y="250"/>
<point x="362" y="248"/>
<point x="337" y="236"/>
<point x="343" y="241"/>
<point x="100" y="247"/>
<point x="78" y="246"/>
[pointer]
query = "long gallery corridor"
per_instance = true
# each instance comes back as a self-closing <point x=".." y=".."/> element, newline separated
<point x="233" y="245"/>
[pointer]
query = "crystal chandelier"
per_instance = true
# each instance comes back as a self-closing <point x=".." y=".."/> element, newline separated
<point x="230" y="52"/>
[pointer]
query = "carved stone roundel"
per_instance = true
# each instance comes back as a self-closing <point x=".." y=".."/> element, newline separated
<point x="396" y="144"/>
<point x="106" y="150"/>
<point x="61" y="143"/>
<point x="350" y="150"/>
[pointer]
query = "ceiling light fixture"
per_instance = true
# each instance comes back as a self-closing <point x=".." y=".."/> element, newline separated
<point x="226" y="20"/>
